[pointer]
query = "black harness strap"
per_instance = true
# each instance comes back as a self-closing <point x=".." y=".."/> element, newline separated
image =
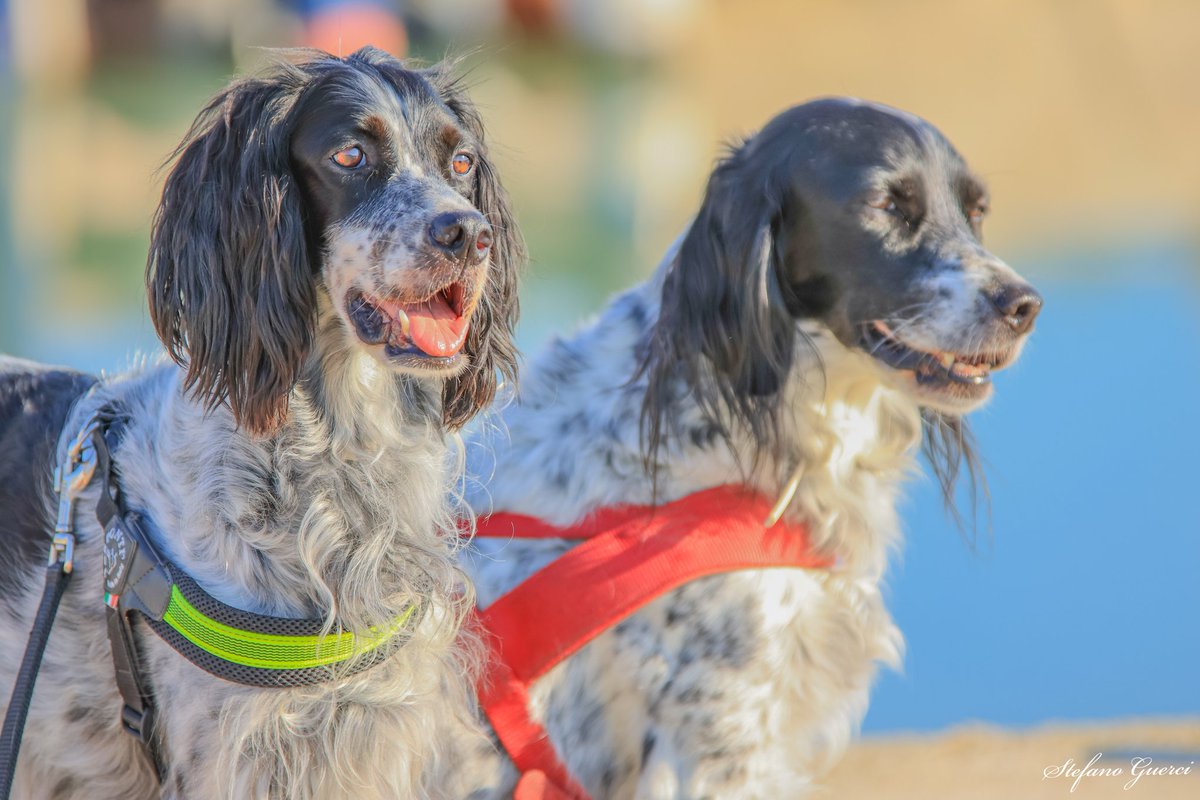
<point x="137" y="714"/>
<point x="139" y="580"/>
<point x="71" y="477"/>
<point x="88" y="454"/>
<point x="227" y="642"/>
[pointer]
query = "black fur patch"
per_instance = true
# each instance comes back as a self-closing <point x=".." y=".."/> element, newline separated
<point x="647" y="748"/>
<point x="34" y="405"/>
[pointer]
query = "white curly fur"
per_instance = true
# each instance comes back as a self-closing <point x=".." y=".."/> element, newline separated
<point x="342" y="514"/>
<point x="742" y="685"/>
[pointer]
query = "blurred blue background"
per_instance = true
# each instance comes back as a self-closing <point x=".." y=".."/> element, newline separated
<point x="1082" y="603"/>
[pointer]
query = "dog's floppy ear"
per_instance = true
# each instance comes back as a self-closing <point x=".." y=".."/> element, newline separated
<point x="724" y="325"/>
<point x="490" y="347"/>
<point x="230" y="286"/>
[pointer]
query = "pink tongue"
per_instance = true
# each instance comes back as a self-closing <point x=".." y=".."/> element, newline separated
<point x="435" y="329"/>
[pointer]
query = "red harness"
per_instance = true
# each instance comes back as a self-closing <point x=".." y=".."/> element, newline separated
<point x="630" y="556"/>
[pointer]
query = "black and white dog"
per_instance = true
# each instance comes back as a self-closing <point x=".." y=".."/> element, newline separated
<point x="830" y="301"/>
<point x="333" y="264"/>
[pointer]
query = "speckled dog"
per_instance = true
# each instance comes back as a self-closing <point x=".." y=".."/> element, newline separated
<point x="333" y="264"/>
<point x="830" y="300"/>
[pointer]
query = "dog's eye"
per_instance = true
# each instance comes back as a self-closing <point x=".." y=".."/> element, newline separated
<point x="350" y="158"/>
<point x="977" y="212"/>
<point x="462" y="163"/>
<point x="882" y="200"/>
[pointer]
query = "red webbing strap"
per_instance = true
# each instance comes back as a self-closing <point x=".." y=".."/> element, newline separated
<point x="632" y="556"/>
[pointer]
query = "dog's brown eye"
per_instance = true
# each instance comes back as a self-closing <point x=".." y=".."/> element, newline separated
<point x="881" y="200"/>
<point x="977" y="212"/>
<point x="462" y="163"/>
<point x="350" y="158"/>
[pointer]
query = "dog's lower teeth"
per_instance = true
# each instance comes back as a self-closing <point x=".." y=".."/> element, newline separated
<point x="402" y="318"/>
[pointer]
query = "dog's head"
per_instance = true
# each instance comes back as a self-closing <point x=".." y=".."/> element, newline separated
<point x="864" y="220"/>
<point x="355" y="178"/>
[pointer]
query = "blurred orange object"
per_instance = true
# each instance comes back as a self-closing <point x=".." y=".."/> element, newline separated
<point x="536" y="16"/>
<point x="344" y="28"/>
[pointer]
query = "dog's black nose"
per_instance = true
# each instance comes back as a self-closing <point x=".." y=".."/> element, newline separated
<point x="1019" y="305"/>
<point x="462" y="235"/>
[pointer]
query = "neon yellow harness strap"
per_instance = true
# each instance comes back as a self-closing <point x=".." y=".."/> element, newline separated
<point x="268" y="650"/>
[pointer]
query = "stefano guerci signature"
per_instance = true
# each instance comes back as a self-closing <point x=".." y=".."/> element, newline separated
<point x="1140" y="767"/>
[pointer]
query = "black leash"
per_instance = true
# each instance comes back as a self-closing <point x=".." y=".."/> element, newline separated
<point x="18" y="704"/>
<point x="70" y="479"/>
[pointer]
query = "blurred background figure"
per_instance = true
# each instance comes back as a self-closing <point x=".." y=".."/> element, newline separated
<point x="1062" y="627"/>
<point x="343" y="26"/>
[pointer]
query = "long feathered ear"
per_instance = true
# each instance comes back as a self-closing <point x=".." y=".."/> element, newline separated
<point x="490" y="347"/>
<point x="230" y="286"/>
<point x="724" y="328"/>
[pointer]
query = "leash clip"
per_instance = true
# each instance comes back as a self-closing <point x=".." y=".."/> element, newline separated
<point x="70" y="479"/>
<point x="62" y="552"/>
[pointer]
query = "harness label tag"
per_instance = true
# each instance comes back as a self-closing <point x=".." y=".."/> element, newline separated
<point x="119" y="550"/>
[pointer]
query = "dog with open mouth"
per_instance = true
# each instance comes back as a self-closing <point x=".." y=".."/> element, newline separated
<point x="830" y="307"/>
<point x="425" y="333"/>
<point x="333" y="266"/>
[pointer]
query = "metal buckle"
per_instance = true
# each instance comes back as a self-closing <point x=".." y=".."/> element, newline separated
<point x="62" y="549"/>
<point x="134" y="722"/>
<point x="70" y="479"/>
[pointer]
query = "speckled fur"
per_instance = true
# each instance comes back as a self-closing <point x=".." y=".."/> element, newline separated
<point x="335" y="514"/>
<point x="749" y="685"/>
<point x="740" y="685"/>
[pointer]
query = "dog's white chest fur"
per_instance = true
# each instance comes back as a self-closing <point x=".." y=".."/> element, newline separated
<point x="200" y="482"/>
<point x="738" y="685"/>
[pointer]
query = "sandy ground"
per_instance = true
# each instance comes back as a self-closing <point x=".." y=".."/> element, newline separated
<point x="985" y="763"/>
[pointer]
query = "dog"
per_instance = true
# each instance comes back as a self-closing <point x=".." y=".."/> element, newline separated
<point x="830" y="305"/>
<point x="333" y="266"/>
